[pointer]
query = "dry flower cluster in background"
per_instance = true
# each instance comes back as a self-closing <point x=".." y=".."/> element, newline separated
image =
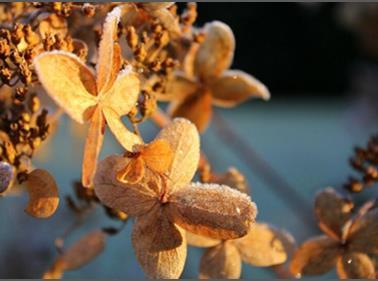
<point x="110" y="66"/>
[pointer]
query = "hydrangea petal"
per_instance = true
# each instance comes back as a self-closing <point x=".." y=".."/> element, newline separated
<point x="355" y="265"/>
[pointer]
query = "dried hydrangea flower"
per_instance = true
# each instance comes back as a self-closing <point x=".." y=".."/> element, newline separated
<point x="349" y="243"/>
<point x="100" y="100"/>
<point x="208" y="81"/>
<point x="6" y="176"/>
<point x="164" y="205"/>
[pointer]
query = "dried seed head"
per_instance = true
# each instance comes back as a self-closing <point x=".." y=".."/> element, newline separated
<point x="6" y="176"/>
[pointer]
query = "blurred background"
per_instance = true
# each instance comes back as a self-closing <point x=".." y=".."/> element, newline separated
<point x="319" y="62"/>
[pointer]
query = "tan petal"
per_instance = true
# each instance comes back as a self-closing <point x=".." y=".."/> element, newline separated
<point x="168" y="20"/>
<point x="355" y="265"/>
<point x="158" y="156"/>
<point x="153" y="6"/>
<point x="124" y="93"/>
<point x="232" y="178"/>
<point x="131" y="199"/>
<point x="200" y="241"/>
<point x="178" y="88"/>
<point x="159" y="245"/>
<point x="265" y="245"/>
<point x="216" y="52"/>
<point x="108" y="61"/>
<point x="68" y="82"/>
<point x="84" y="250"/>
<point x="43" y="194"/>
<point x="133" y="172"/>
<point x="55" y="271"/>
<point x="212" y="210"/>
<point x="92" y="147"/>
<point x="332" y="211"/>
<point x="184" y="141"/>
<point x="235" y="87"/>
<point x="196" y="108"/>
<point x="126" y="138"/>
<point x="315" y="256"/>
<point x="363" y="235"/>
<point x="222" y="261"/>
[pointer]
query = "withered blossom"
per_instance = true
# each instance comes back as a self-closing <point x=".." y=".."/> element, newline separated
<point x="350" y="243"/>
<point x="101" y="99"/>
<point x="165" y="205"/>
<point x="206" y="79"/>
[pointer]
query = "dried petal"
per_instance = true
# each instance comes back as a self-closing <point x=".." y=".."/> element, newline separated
<point x="92" y="147"/>
<point x="124" y="93"/>
<point x="126" y="138"/>
<point x="178" y="88"/>
<point x="55" y="271"/>
<point x="355" y="265"/>
<point x="216" y="51"/>
<point x="43" y="194"/>
<point x="133" y="172"/>
<point x="363" y="235"/>
<point x="168" y="20"/>
<point x="235" y="87"/>
<point x="232" y="178"/>
<point x="265" y="245"/>
<point x="6" y="176"/>
<point x="68" y="81"/>
<point x="315" y="256"/>
<point x="196" y="108"/>
<point x="332" y="211"/>
<point x="212" y="210"/>
<point x="108" y="53"/>
<point x="222" y="261"/>
<point x="184" y="142"/>
<point x="159" y="245"/>
<point x="200" y="241"/>
<point x="153" y="6"/>
<point x="132" y="199"/>
<point x="158" y="156"/>
<point x="84" y="250"/>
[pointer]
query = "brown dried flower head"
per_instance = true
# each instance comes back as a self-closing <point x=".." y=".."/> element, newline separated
<point x="349" y="244"/>
<point x="164" y="205"/>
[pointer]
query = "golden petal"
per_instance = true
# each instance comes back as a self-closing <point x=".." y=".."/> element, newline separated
<point x="222" y="261"/>
<point x="132" y="199"/>
<point x="108" y="61"/>
<point x="200" y="241"/>
<point x="235" y="87"/>
<point x="158" y="156"/>
<point x="265" y="245"/>
<point x="159" y="245"/>
<point x="68" y="82"/>
<point x="43" y="194"/>
<point x="183" y="138"/>
<point x="55" y="271"/>
<point x="92" y="147"/>
<point x="216" y="52"/>
<point x="168" y="20"/>
<point x="315" y="256"/>
<point x="332" y="211"/>
<point x="211" y="210"/>
<point x="178" y="88"/>
<point x="354" y="265"/>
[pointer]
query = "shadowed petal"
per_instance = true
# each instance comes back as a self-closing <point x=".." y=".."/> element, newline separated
<point x="200" y="241"/>
<point x="315" y="256"/>
<point x="265" y="245"/>
<point x="355" y="266"/>
<point x="216" y="52"/>
<point x="178" y="88"/>
<point x="92" y="147"/>
<point x="212" y="210"/>
<point x="235" y="87"/>
<point x="159" y="245"/>
<point x="222" y="261"/>
<point x="68" y="82"/>
<point x="183" y="138"/>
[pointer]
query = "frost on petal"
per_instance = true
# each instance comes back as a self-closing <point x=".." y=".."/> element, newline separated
<point x="235" y="87"/>
<point x="132" y="199"/>
<point x="126" y="138"/>
<point x="222" y="261"/>
<point x="196" y="108"/>
<point x="108" y="61"/>
<point x="363" y="235"/>
<point x="124" y="93"/>
<point x="178" y="88"/>
<point x="159" y="245"/>
<point x="315" y="256"/>
<point x="265" y="245"/>
<point x="84" y="250"/>
<point x="216" y="51"/>
<point x="216" y="211"/>
<point x="92" y="147"/>
<point x="332" y="211"/>
<point x="200" y="241"/>
<point x="183" y="138"/>
<point x="43" y="194"/>
<point x="355" y="265"/>
<point x="68" y="82"/>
